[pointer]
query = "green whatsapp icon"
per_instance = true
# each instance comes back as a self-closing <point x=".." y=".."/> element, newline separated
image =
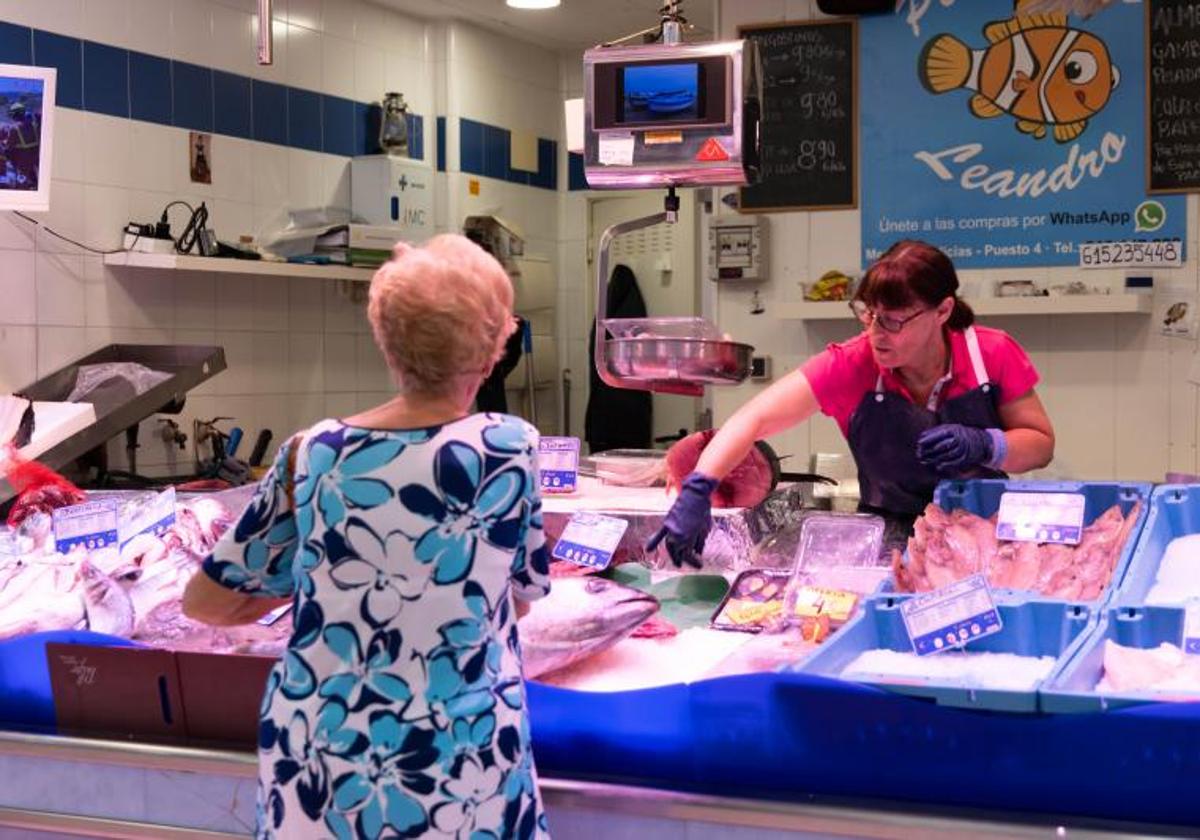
<point x="1149" y="216"/>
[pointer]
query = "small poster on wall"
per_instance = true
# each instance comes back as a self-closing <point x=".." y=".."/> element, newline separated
<point x="1006" y="140"/>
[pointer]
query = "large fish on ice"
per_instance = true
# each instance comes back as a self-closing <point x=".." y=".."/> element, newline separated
<point x="580" y="617"/>
<point x="1036" y="68"/>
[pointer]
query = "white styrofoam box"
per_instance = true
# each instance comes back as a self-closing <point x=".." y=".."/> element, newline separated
<point x="341" y="362"/>
<point x="18" y="357"/>
<point x="369" y="73"/>
<point x="306" y="54"/>
<point x="105" y="213"/>
<point x="18" y="288"/>
<point x="337" y="66"/>
<point x="375" y="180"/>
<point x="58" y="347"/>
<point x="233" y="168"/>
<point x="545" y="363"/>
<point x="191" y="32"/>
<point x="536" y="287"/>
<point x="233" y="41"/>
<point x="306" y="362"/>
<point x="60" y="292"/>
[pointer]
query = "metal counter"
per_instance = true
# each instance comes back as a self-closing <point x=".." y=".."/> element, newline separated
<point x="77" y="787"/>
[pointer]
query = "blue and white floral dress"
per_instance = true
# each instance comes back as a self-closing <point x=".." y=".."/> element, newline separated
<point x="398" y="708"/>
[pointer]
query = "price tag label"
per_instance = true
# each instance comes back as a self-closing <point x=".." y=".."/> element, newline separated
<point x="590" y="539"/>
<point x="1163" y="253"/>
<point x="616" y="149"/>
<point x="154" y="518"/>
<point x="274" y="615"/>
<point x="1041" y="517"/>
<point x="951" y="616"/>
<point x="91" y="524"/>
<point x="1191" y="628"/>
<point x="558" y="464"/>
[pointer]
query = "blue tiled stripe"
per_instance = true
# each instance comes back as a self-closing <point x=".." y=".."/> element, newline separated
<point x="487" y="150"/>
<point x="111" y="80"/>
<point x="576" y="180"/>
<point x="16" y="44"/>
<point x="65" y="54"/>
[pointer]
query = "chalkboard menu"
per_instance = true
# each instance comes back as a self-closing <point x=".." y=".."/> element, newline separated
<point x="1173" y="95"/>
<point x="810" y="116"/>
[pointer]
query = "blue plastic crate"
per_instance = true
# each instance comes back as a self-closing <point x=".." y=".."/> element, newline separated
<point x="1174" y="512"/>
<point x="982" y="498"/>
<point x="1072" y="689"/>
<point x="1037" y="627"/>
<point x="26" y="700"/>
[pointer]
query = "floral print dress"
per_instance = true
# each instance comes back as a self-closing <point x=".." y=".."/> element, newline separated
<point x="398" y="708"/>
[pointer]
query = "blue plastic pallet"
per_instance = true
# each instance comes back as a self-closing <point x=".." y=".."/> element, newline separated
<point x="1072" y="689"/>
<point x="1174" y="512"/>
<point x="982" y="498"/>
<point x="1037" y="627"/>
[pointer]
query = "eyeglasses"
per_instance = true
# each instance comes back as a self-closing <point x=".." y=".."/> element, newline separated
<point x="867" y="316"/>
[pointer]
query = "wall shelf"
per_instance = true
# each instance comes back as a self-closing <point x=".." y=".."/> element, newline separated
<point x="1057" y="305"/>
<point x="180" y="262"/>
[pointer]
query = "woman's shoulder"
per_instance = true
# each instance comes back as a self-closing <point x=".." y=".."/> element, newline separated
<point x="994" y="341"/>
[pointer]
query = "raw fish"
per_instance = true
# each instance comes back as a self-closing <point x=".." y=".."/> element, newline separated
<point x="108" y="607"/>
<point x="1164" y="668"/>
<point x="746" y="485"/>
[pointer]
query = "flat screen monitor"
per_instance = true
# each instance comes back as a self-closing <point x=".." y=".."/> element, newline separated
<point x="660" y="93"/>
<point x="26" y="135"/>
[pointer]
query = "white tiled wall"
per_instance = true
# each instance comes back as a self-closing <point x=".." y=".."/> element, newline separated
<point x="298" y="350"/>
<point x="1116" y="390"/>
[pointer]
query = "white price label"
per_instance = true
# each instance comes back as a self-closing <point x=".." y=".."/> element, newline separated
<point x="558" y="464"/>
<point x="1191" y="628"/>
<point x="590" y="539"/>
<point x="1165" y="253"/>
<point x="951" y="616"/>
<point x="274" y="615"/>
<point x="1041" y="517"/>
<point x="91" y="524"/>
<point x="154" y="518"/>
<point x="616" y="149"/>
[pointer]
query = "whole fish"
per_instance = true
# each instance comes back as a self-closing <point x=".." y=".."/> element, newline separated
<point x="108" y="607"/>
<point x="580" y="617"/>
<point x="1035" y="68"/>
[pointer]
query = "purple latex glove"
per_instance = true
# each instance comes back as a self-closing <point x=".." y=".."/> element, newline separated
<point x="952" y="448"/>
<point x="687" y="523"/>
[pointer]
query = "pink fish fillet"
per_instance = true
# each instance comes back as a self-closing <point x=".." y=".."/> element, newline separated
<point x="1130" y="669"/>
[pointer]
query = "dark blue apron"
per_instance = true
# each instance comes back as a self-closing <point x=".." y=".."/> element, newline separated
<point x="883" y="437"/>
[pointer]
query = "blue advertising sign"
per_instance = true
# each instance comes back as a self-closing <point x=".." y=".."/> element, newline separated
<point x="1006" y="141"/>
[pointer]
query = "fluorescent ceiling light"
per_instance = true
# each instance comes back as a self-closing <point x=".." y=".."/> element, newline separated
<point x="533" y="4"/>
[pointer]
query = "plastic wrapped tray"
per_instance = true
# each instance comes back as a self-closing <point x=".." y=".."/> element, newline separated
<point x="630" y="467"/>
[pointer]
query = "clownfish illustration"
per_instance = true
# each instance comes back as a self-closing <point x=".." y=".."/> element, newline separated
<point x="1036" y="68"/>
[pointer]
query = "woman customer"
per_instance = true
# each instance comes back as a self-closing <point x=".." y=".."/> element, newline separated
<point x="921" y="394"/>
<point x="408" y="538"/>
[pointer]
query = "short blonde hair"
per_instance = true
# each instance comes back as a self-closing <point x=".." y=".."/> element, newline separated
<point x="439" y="312"/>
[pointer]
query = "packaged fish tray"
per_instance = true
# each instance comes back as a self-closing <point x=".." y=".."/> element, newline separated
<point x="1114" y="514"/>
<point x="1135" y="655"/>
<point x="1001" y="672"/>
<point x="1165" y="567"/>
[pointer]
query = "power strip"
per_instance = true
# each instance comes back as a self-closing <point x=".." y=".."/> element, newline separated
<point x="148" y="244"/>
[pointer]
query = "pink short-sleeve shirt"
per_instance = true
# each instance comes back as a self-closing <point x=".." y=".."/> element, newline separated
<point x="844" y="373"/>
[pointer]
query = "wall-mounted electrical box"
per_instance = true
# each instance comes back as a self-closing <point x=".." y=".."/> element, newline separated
<point x="738" y="249"/>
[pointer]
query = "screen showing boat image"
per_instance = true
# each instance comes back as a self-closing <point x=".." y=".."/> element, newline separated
<point x="20" y="132"/>
<point x="656" y="93"/>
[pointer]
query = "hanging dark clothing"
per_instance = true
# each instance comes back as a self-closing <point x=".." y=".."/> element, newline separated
<point x="618" y="418"/>
<point x="491" y="397"/>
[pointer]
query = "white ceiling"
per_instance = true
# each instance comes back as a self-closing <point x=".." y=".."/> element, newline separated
<point x="574" y="25"/>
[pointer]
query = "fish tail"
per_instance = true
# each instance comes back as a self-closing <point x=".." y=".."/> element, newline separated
<point x="945" y="64"/>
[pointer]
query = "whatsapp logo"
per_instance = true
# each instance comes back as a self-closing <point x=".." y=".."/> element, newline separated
<point x="1149" y="216"/>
